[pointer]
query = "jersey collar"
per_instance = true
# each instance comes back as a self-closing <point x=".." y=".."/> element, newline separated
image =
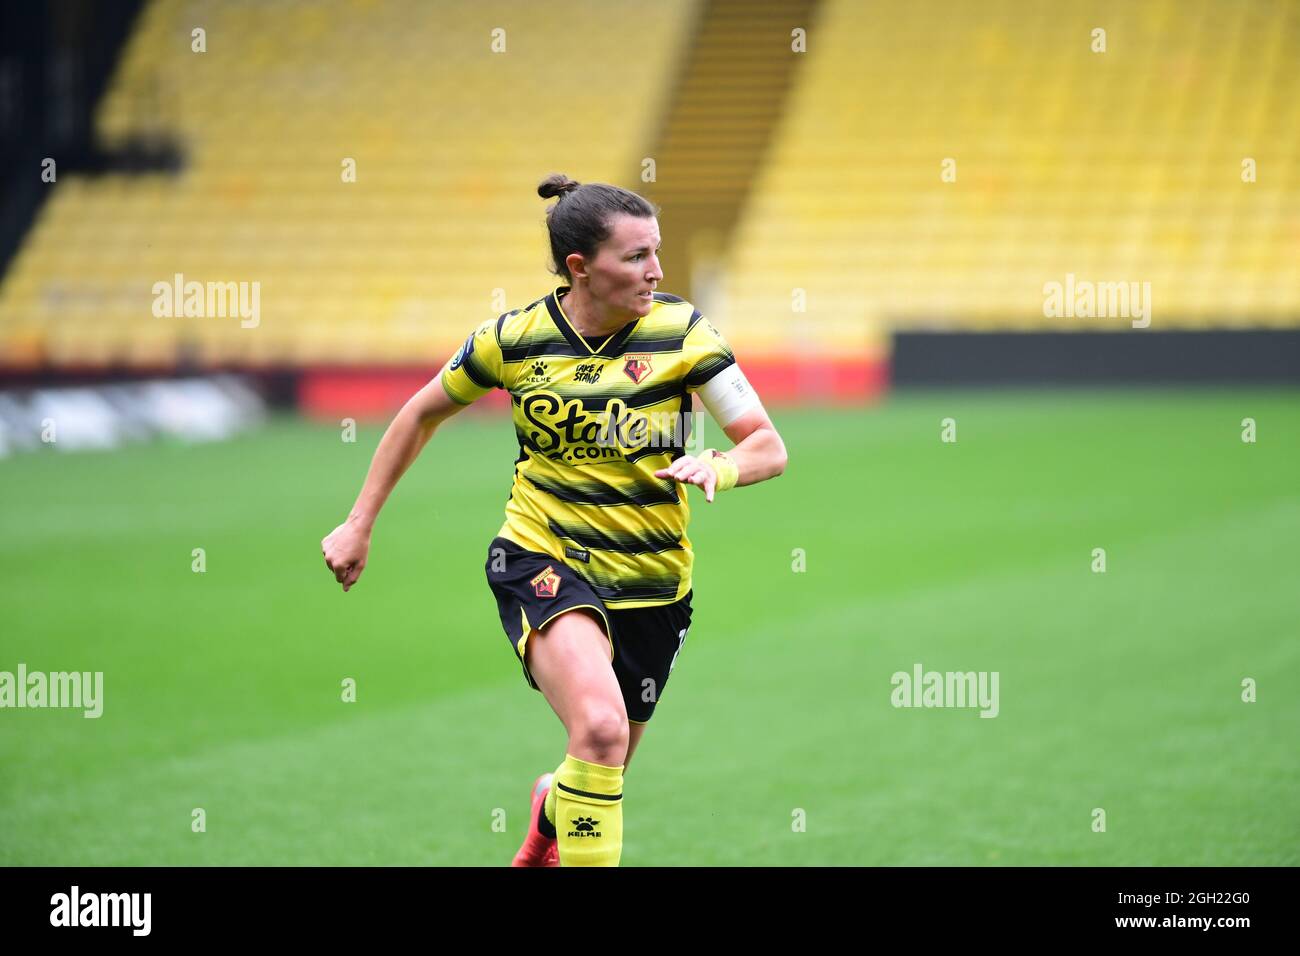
<point x="611" y="348"/>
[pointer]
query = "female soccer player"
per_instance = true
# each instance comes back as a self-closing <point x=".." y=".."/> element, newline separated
<point x="600" y="373"/>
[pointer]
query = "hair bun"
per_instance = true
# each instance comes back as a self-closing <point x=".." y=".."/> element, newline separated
<point x="557" y="185"/>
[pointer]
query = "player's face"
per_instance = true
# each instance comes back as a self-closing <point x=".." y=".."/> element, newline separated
<point x="625" y="269"/>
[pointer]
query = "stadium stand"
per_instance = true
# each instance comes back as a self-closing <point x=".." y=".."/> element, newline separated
<point x="1123" y="165"/>
<point x="813" y="227"/>
<point x="441" y="229"/>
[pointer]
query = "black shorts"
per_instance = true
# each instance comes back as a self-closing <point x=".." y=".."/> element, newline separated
<point x="533" y="588"/>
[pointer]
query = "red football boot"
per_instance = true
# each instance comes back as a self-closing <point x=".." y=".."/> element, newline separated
<point x="538" y="849"/>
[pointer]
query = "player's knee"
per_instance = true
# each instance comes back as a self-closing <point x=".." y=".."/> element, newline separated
<point x="602" y="731"/>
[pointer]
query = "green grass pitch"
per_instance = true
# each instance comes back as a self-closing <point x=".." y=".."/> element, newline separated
<point x="1119" y="690"/>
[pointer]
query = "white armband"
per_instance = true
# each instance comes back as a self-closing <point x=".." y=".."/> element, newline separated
<point x="728" y="395"/>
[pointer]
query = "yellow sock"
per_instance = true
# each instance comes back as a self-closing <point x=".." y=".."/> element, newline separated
<point x="588" y="812"/>
<point x="548" y="807"/>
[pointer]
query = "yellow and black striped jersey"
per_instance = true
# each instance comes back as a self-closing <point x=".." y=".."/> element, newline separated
<point x="595" y="421"/>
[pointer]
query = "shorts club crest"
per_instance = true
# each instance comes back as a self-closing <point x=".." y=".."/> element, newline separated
<point x="546" y="584"/>
<point x="644" y="642"/>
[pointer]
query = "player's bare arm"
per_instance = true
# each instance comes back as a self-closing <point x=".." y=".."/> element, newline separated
<point x="347" y="546"/>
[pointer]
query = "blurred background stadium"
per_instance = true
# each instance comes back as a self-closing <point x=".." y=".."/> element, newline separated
<point x="872" y="201"/>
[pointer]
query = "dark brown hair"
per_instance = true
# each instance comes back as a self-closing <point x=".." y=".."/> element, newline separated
<point x="580" y="221"/>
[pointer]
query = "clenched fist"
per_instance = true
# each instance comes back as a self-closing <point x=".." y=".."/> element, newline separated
<point x="345" y="549"/>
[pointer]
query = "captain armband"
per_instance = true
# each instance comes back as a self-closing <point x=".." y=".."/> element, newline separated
<point x="728" y="395"/>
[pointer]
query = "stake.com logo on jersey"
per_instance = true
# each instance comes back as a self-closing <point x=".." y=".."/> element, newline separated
<point x="565" y="430"/>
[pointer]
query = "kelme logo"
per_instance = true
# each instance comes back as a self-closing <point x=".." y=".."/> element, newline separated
<point x="585" y="827"/>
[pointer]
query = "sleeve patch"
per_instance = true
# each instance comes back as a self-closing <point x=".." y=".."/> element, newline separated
<point x="463" y="352"/>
